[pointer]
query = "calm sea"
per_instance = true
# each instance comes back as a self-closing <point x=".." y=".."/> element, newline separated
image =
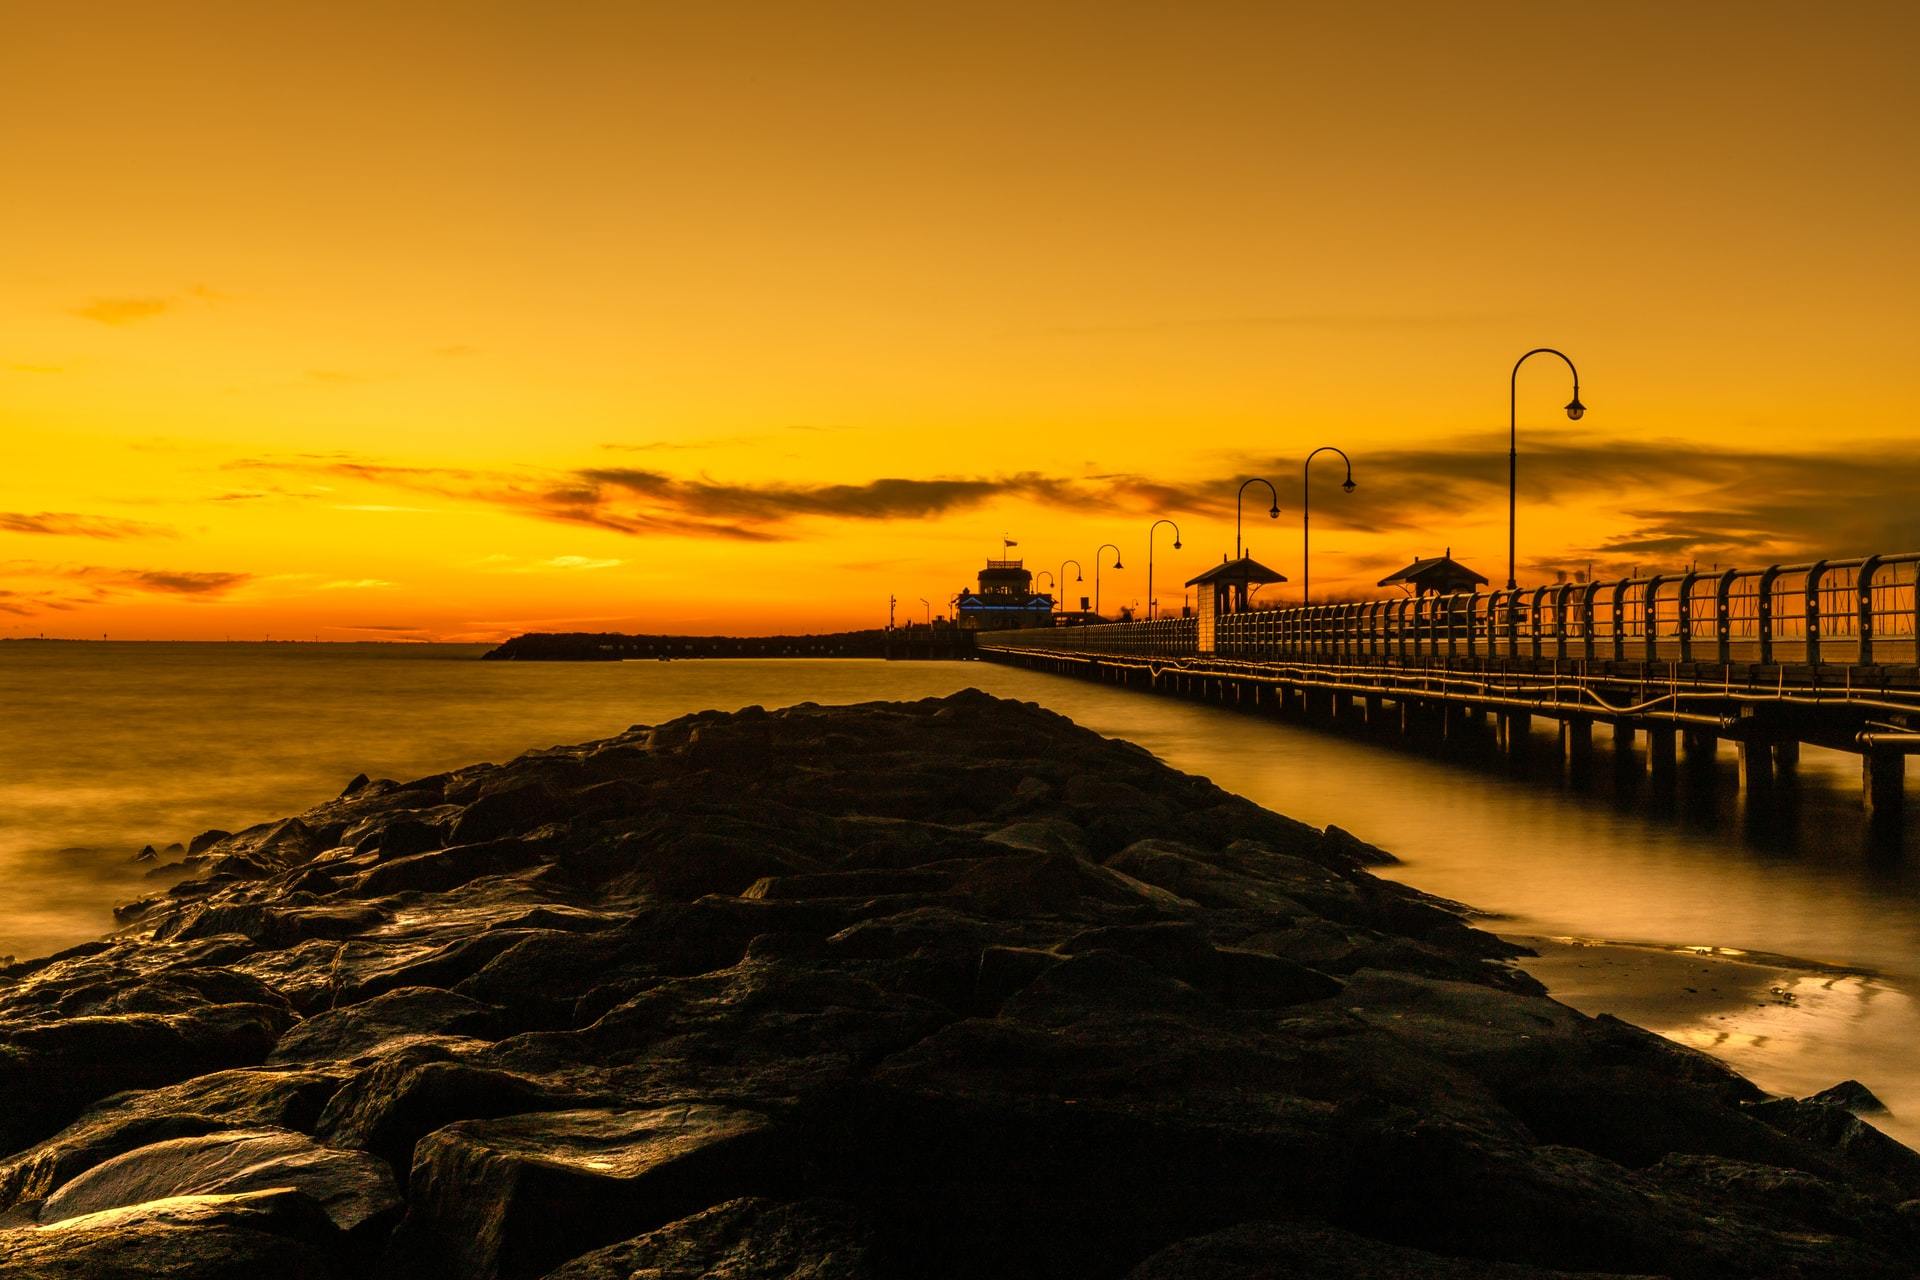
<point x="106" y="747"/>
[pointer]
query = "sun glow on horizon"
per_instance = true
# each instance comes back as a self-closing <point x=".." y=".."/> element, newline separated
<point x="450" y="321"/>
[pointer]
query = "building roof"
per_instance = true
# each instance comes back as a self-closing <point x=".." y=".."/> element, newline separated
<point x="1245" y="569"/>
<point x="973" y="600"/>
<point x="1431" y="569"/>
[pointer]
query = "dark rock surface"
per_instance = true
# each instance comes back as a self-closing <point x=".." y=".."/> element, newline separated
<point x="951" y="988"/>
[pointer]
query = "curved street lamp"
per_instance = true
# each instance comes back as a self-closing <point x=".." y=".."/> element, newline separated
<point x="923" y="600"/>
<point x="1044" y="573"/>
<point x="1574" y="410"/>
<point x="1306" y="510"/>
<point x="1273" y="512"/>
<point x="1096" y="570"/>
<point x="1078" y="576"/>
<point x="1152" y="604"/>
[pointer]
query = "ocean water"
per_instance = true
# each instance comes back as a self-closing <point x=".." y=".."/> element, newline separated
<point x="107" y="747"/>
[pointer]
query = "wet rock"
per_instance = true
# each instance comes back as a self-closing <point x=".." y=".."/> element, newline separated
<point x="401" y="837"/>
<point x="280" y="1233"/>
<point x="354" y="787"/>
<point x="796" y="1240"/>
<point x="205" y="1104"/>
<point x="49" y="1071"/>
<point x="511" y="812"/>
<point x="205" y="841"/>
<point x="515" y="1197"/>
<point x="356" y="1190"/>
<point x="402" y="1098"/>
<point x="1849" y="1095"/>
<point x="340" y="1035"/>
<point x="442" y="869"/>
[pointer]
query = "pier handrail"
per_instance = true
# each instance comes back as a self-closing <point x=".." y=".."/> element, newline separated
<point x="1846" y="612"/>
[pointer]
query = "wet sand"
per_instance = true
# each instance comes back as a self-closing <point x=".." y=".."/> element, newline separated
<point x="1792" y="1026"/>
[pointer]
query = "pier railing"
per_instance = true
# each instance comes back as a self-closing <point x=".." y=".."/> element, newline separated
<point x="1851" y="612"/>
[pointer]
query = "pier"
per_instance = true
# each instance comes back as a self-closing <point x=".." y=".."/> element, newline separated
<point x="1764" y="660"/>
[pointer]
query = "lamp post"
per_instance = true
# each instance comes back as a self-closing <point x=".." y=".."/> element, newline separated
<point x="1176" y="546"/>
<point x="1306" y="510"/>
<point x="1048" y="575"/>
<point x="923" y="600"/>
<point x="1078" y="576"/>
<point x="1273" y="512"/>
<point x="1574" y="410"/>
<point x="1096" y="571"/>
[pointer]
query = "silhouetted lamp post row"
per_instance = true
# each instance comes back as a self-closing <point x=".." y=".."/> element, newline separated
<point x="1151" y="602"/>
<point x="1574" y="410"/>
<point x="1096" y="572"/>
<point x="1306" y="509"/>
<point x="1273" y="512"/>
<point x="1078" y="576"/>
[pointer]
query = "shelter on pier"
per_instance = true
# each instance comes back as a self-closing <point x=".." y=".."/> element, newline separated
<point x="1441" y="575"/>
<point x="1227" y="588"/>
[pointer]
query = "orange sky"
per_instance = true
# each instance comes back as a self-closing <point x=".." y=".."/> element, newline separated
<point x="420" y="320"/>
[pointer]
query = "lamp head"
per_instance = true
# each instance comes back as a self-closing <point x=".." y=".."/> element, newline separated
<point x="1575" y="408"/>
<point x="1349" y="485"/>
<point x="1117" y="564"/>
<point x="1176" y="544"/>
<point x="1273" y="512"/>
<point x="1078" y="576"/>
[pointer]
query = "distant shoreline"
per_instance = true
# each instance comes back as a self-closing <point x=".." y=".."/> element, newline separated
<point x="613" y="646"/>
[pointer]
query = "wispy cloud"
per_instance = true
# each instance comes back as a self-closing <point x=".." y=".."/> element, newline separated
<point x="175" y="581"/>
<point x="355" y="584"/>
<point x="70" y="586"/>
<point x="72" y="525"/>
<point x="122" y="311"/>
<point x="1672" y="500"/>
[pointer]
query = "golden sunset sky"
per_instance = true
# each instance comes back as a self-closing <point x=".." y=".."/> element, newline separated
<point x="415" y="320"/>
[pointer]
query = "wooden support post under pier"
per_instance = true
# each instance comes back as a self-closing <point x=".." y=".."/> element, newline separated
<point x="1515" y="729"/>
<point x="1756" y="765"/>
<point x="1660" y="751"/>
<point x="1884" y="775"/>
<point x="1700" y="747"/>
<point x="1576" y="743"/>
<point x="1623" y="733"/>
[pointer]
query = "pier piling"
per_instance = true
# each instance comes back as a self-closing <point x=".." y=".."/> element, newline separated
<point x="1884" y="774"/>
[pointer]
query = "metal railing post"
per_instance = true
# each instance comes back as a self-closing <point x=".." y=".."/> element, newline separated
<point x="1685" y="614"/>
<point x="1864" y="585"/>
<point x="1764" y="613"/>
<point x="1620" y="620"/>
<point x="1817" y="571"/>
<point x="1723" y="615"/>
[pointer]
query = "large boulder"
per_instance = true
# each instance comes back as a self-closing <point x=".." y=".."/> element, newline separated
<point x="356" y="1190"/>
<point x="512" y="1198"/>
<point x="281" y="1234"/>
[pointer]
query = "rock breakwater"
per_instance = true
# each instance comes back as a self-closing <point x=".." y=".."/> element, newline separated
<point x="949" y="988"/>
